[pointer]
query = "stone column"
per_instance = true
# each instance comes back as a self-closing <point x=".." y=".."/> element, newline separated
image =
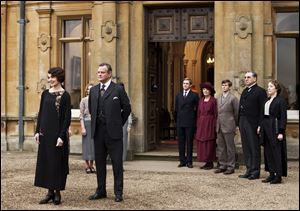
<point x="105" y="33"/>
<point x="243" y="42"/>
<point x="123" y="48"/>
<point x="109" y="35"/>
<point x="257" y="13"/>
<point x="219" y="42"/>
<point x="44" y="45"/>
<point x="137" y="78"/>
<point x="194" y="62"/>
<point x="268" y="45"/>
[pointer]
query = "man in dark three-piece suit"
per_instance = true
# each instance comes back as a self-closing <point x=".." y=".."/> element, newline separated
<point x="186" y="104"/>
<point x="250" y="117"/>
<point x="109" y="107"/>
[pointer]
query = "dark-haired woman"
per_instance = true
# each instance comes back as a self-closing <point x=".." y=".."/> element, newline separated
<point x="54" y="119"/>
<point x="273" y="134"/>
<point x="206" y="126"/>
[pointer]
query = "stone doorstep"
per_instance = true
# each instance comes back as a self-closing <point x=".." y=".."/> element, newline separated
<point x="12" y="144"/>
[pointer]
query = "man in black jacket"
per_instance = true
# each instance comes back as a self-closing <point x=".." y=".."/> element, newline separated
<point x="186" y="104"/>
<point x="250" y="117"/>
<point x="109" y="107"/>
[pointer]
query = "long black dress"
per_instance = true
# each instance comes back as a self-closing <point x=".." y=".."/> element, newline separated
<point x="53" y="121"/>
<point x="275" y="151"/>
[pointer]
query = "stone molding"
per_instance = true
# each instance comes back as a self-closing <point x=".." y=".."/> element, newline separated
<point x="243" y="26"/>
<point x="109" y="31"/>
<point x="44" y="42"/>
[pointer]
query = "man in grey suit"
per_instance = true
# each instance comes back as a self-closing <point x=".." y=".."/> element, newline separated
<point x="227" y="122"/>
<point x="109" y="107"/>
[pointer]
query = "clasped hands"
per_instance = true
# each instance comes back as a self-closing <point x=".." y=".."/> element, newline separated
<point x="59" y="141"/>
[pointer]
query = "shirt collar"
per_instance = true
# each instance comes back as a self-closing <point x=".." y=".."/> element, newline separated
<point x="186" y="91"/>
<point x="106" y="84"/>
<point x="252" y="85"/>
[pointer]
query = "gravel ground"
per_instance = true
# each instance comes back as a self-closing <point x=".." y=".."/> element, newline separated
<point x="148" y="185"/>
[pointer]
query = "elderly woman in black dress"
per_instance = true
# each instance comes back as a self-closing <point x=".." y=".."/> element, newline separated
<point x="273" y="134"/>
<point x="54" y="119"/>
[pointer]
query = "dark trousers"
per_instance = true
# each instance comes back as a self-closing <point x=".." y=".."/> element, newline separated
<point x="114" y="147"/>
<point x="251" y="147"/>
<point x="185" y="141"/>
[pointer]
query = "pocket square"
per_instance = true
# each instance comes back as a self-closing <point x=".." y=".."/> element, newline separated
<point x="115" y="98"/>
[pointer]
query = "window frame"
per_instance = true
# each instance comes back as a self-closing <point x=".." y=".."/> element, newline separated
<point x="293" y="115"/>
<point x="84" y="39"/>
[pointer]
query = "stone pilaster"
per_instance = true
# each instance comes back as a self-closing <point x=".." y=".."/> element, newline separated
<point x="44" y="45"/>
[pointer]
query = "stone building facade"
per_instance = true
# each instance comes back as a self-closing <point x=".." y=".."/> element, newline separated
<point x="152" y="46"/>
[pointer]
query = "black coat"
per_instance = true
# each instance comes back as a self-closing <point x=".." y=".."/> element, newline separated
<point x="186" y="109"/>
<point x="52" y="162"/>
<point x="117" y="109"/>
<point x="251" y="105"/>
<point x="274" y="125"/>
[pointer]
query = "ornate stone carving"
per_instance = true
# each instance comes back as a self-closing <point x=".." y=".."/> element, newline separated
<point x="239" y="82"/>
<point x="109" y="31"/>
<point x="44" y="42"/>
<point x="41" y="85"/>
<point x="243" y="26"/>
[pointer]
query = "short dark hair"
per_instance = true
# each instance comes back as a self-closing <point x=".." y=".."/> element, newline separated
<point x="108" y="66"/>
<point x="57" y="72"/>
<point x="254" y="74"/>
<point x="277" y="85"/>
<point x="227" y="81"/>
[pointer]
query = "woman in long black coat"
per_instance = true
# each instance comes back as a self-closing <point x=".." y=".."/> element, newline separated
<point x="273" y="134"/>
<point x="54" y="119"/>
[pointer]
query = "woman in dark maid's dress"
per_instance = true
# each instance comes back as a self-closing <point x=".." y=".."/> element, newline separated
<point x="273" y="134"/>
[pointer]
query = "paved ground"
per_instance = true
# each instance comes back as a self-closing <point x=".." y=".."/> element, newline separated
<point x="148" y="185"/>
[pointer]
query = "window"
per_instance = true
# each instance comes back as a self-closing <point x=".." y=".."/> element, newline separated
<point x="287" y="54"/>
<point x="74" y="40"/>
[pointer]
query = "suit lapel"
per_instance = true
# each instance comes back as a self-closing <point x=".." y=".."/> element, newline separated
<point x="96" y="96"/>
<point x="96" y="93"/>
<point x="109" y="90"/>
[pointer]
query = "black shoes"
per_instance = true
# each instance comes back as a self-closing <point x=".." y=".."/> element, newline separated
<point x="268" y="179"/>
<point x="207" y="166"/>
<point x="97" y="196"/>
<point x="57" y="198"/>
<point x="244" y="175"/>
<point x="252" y="177"/>
<point x="118" y="198"/>
<point x="276" y="180"/>
<point x="189" y="165"/>
<point x="51" y="196"/>
<point x="47" y="199"/>
<point x="219" y="171"/>
<point x="229" y="171"/>
<point x="181" y="165"/>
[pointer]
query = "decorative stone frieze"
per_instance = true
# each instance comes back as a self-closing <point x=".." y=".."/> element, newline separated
<point x="41" y="85"/>
<point x="44" y="42"/>
<point x="109" y="31"/>
<point x="243" y="26"/>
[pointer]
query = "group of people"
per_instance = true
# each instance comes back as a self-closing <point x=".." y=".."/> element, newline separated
<point x="261" y="120"/>
<point x="260" y="115"/>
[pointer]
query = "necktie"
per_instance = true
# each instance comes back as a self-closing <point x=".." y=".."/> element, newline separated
<point x="102" y="90"/>
<point x="185" y="93"/>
